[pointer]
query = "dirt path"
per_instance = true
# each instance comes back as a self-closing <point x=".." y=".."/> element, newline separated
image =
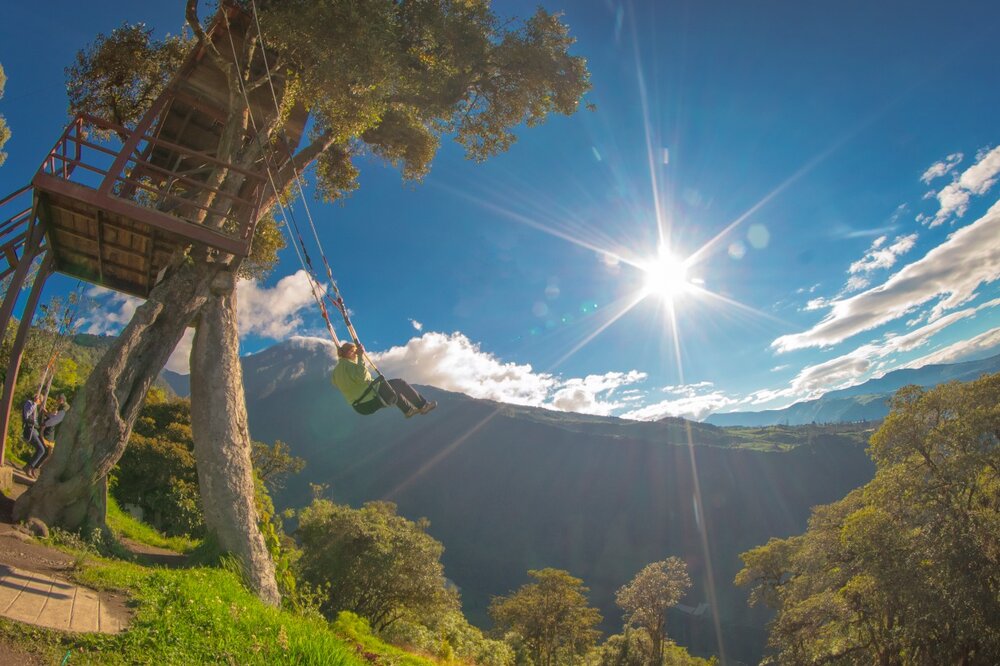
<point x="36" y="574"/>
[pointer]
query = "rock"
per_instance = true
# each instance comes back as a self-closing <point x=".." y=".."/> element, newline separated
<point x="37" y="528"/>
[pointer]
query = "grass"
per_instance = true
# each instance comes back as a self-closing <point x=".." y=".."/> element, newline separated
<point x="200" y="616"/>
<point x="124" y="525"/>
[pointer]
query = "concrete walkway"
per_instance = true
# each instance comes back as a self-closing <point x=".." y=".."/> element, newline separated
<point x="44" y="601"/>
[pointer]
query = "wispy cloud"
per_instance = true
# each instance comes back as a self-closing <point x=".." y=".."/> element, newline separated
<point x="978" y="179"/>
<point x="595" y="394"/>
<point x="881" y="256"/>
<point x="696" y="407"/>
<point x="942" y="168"/>
<point x="111" y="312"/>
<point x="960" y="351"/>
<point x="953" y="270"/>
<point x="852" y="367"/>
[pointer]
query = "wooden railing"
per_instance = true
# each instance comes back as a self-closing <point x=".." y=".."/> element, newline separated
<point x="15" y="213"/>
<point x="116" y="162"/>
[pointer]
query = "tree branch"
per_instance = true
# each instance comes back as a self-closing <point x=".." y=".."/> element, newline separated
<point x="191" y="15"/>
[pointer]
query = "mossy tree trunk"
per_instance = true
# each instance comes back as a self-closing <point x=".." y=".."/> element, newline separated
<point x="222" y="439"/>
<point x="71" y="491"/>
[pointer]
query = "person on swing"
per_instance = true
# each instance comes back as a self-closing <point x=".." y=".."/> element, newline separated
<point x="351" y="376"/>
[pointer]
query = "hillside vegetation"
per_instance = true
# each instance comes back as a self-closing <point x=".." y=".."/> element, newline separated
<point x="534" y="508"/>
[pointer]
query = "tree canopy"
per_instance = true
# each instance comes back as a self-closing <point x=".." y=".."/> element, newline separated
<point x="905" y="570"/>
<point x="647" y="597"/>
<point x="373" y="562"/>
<point x="551" y="617"/>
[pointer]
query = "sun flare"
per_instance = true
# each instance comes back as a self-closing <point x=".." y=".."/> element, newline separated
<point x="666" y="276"/>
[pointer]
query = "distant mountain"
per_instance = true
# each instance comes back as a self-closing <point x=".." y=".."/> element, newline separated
<point x="508" y="488"/>
<point x="865" y="402"/>
<point x="178" y="383"/>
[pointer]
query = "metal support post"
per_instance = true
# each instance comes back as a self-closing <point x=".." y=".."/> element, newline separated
<point x="10" y="381"/>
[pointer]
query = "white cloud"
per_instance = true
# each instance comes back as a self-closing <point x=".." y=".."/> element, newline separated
<point x="942" y="168"/>
<point x="883" y="257"/>
<point x="848" y="369"/>
<point x="417" y="325"/>
<point x="688" y="390"/>
<point x="986" y="341"/>
<point x="694" y="407"/>
<point x="977" y="179"/>
<point x="955" y="269"/>
<point x="854" y="283"/>
<point x="274" y="312"/>
<point x="455" y="363"/>
<point x="180" y="359"/>
<point x="113" y="310"/>
<point x="593" y="393"/>
<point x="819" y="303"/>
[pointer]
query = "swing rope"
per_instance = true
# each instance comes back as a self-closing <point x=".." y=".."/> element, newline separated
<point x="338" y="300"/>
<point x="307" y="269"/>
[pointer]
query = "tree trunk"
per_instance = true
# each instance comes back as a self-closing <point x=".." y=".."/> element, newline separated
<point x="71" y="491"/>
<point x="222" y="439"/>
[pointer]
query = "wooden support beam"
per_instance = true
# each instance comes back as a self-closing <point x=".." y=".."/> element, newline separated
<point x="189" y="231"/>
<point x="32" y="247"/>
<point x="107" y="262"/>
<point x="151" y="243"/>
<point x="17" y="351"/>
<point x="100" y="246"/>
<point x="117" y="247"/>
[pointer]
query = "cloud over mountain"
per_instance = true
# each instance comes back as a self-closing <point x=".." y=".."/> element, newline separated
<point x="952" y="271"/>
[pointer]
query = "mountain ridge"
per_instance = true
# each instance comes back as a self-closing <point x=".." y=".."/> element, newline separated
<point x="868" y="401"/>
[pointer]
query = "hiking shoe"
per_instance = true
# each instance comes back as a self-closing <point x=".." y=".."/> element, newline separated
<point x="412" y="412"/>
<point x="428" y="407"/>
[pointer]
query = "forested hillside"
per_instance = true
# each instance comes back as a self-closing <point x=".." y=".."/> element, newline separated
<point x="512" y="488"/>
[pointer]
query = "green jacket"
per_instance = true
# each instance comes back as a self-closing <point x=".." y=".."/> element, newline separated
<point x="352" y="378"/>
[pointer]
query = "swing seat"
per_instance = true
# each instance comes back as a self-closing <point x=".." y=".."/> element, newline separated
<point x="378" y="395"/>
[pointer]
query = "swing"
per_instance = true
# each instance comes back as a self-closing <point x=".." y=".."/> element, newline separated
<point x="378" y="395"/>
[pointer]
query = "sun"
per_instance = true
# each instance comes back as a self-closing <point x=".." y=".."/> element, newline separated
<point x="666" y="276"/>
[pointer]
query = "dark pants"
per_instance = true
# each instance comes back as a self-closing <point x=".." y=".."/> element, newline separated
<point x="32" y="437"/>
<point x="407" y="398"/>
<point x="393" y="392"/>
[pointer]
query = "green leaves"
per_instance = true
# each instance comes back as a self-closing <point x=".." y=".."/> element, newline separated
<point x="390" y="78"/>
<point x="377" y="564"/>
<point x="550" y="616"/>
<point x="906" y="569"/>
<point x="120" y="75"/>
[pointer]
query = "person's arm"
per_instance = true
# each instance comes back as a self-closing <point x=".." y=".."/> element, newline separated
<point x="55" y="419"/>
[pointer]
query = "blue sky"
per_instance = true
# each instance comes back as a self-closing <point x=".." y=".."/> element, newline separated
<point x="831" y="169"/>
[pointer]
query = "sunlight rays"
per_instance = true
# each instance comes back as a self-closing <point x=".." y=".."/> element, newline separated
<point x="662" y="235"/>
<point x="600" y="329"/>
<point x="594" y="246"/>
<point x="440" y="455"/>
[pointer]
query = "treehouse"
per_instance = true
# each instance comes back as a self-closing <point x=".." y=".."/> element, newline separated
<point x="111" y="205"/>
